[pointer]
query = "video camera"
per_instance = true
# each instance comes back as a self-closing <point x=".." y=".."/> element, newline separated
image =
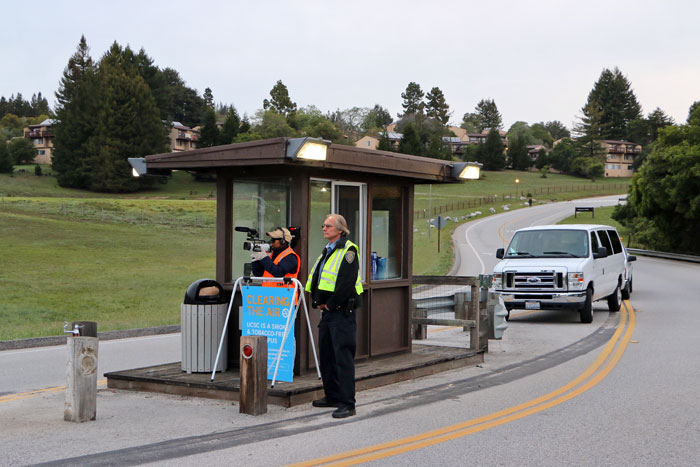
<point x="253" y="243"/>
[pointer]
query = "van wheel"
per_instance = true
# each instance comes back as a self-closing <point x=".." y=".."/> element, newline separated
<point x="627" y="291"/>
<point x="587" y="310"/>
<point x="615" y="300"/>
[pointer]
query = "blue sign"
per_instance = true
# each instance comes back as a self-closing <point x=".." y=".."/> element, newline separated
<point x="265" y="313"/>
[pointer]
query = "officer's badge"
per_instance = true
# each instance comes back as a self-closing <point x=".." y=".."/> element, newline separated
<point x="350" y="256"/>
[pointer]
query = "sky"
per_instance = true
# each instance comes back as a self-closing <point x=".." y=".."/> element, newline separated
<point x="537" y="60"/>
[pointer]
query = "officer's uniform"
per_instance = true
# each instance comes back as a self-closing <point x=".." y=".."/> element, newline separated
<point x="336" y="283"/>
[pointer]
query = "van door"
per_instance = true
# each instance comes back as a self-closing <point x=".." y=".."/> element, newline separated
<point x="617" y="266"/>
<point x="609" y="279"/>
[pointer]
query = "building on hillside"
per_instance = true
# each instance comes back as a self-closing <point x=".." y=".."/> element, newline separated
<point x="183" y="138"/>
<point x="41" y="136"/>
<point x="533" y="150"/>
<point x="619" y="157"/>
<point x="371" y="142"/>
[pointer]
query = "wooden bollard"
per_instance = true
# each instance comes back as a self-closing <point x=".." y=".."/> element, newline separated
<point x="253" y="395"/>
<point x="81" y="376"/>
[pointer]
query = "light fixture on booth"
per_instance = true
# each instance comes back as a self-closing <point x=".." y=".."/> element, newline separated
<point x="138" y="166"/>
<point x="466" y="170"/>
<point x="309" y="149"/>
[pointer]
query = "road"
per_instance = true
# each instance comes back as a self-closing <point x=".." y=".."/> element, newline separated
<point x="619" y="391"/>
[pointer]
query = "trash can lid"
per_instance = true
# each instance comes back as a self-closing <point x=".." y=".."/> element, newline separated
<point x="205" y="292"/>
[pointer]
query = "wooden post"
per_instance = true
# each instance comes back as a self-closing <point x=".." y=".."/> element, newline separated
<point x="474" y="314"/>
<point x="81" y="375"/>
<point x="253" y="396"/>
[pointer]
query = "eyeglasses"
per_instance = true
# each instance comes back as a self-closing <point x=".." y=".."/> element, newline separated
<point x="323" y="226"/>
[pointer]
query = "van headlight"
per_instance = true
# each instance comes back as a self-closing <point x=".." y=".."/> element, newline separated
<point x="497" y="282"/>
<point x="576" y="281"/>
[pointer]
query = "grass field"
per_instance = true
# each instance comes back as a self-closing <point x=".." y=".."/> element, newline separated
<point x="603" y="216"/>
<point x="125" y="261"/>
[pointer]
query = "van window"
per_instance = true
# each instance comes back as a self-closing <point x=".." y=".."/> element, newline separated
<point x="615" y="240"/>
<point x="594" y="242"/>
<point x="548" y="244"/>
<point x="605" y="241"/>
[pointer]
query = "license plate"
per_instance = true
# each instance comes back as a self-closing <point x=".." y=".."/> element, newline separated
<point x="530" y="305"/>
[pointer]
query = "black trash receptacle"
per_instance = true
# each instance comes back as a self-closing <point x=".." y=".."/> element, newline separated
<point x="202" y="317"/>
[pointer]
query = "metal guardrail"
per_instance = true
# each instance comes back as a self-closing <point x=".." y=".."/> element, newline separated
<point x="664" y="255"/>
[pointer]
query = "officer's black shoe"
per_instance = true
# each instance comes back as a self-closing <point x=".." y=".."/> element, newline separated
<point x="343" y="412"/>
<point x="325" y="403"/>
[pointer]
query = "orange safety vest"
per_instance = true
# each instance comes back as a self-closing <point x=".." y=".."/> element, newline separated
<point x="276" y="261"/>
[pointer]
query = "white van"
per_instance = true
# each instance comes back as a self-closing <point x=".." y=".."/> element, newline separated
<point x="551" y="267"/>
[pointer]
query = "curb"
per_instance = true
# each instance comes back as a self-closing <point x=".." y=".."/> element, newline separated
<point x="105" y="336"/>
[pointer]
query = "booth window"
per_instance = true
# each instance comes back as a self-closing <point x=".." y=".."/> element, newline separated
<point x="346" y="198"/>
<point x="387" y="233"/>
<point x="260" y="205"/>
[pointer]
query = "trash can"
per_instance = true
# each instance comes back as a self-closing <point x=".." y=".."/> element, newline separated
<point x="202" y="317"/>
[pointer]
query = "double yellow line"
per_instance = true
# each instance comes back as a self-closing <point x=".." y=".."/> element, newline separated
<point x="594" y="374"/>
<point x="37" y="392"/>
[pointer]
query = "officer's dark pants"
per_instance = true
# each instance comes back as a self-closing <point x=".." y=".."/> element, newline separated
<point x="337" y="339"/>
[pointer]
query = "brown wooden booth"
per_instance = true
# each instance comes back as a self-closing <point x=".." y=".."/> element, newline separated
<point x="268" y="183"/>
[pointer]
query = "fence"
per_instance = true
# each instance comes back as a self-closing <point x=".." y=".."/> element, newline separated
<point x="485" y="200"/>
<point x="451" y="301"/>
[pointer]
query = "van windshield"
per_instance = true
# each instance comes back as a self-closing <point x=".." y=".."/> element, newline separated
<point x="548" y="244"/>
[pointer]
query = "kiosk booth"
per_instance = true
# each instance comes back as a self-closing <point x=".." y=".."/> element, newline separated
<point x="297" y="182"/>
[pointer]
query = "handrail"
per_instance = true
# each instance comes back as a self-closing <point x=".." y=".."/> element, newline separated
<point x="664" y="255"/>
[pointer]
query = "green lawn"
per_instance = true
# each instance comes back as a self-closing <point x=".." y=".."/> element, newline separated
<point x="602" y="216"/>
<point x="121" y="276"/>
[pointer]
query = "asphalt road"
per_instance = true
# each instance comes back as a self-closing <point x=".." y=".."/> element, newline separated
<point x="641" y="409"/>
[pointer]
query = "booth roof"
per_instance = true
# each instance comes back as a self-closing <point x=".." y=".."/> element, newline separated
<point x="272" y="152"/>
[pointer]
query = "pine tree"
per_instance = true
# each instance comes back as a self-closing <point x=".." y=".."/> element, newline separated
<point x="613" y="98"/>
<point x="436" y="106"/>
<point x="209" y="133"/>
<point x="129" y="125"/>
<point x="384" y="142"/>
<point x="6" y="165"/>
<point x="232" y="125"/>
<point x="280" y="101"/>
<point x="412" y="100"/>
<point x="492" y="151"/>
<point x="410" y="142"/>
<point x="76" y="112"/>
<point x="488" y="115"/>
<point x="208" y="98"/>
<point x="517" y="153"/>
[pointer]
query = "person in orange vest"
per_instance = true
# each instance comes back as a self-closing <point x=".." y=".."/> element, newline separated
<point x="281" y="261"/>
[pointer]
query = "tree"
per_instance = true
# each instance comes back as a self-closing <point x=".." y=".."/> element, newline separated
<point x="563" y="155"/>
<point x="664" y="199"/>
<point x="272" y="125"/>
<point x="436" y="107"/>
<point x="384" y="142"/>
<point x="470" y="122"/>
<point x="488" y="115"/>
<point x="412" y="100"/>
<point x="6" y="162"/>
<point x="310" y="121"/>
<point x="691" y="110"/>
<point x="542" y="159"/>
<point x="208" y="98"/>
<point x="521" y="130"/>
<point x="76" y="111"/>
<point x="280" y="101"/>
<point x="21" y="151"/>
<point x="492" y="151"/>
<point x="518" y="154"/>
<point x="614" y="100"/>
<point x="590" y="131"/>
<point x="541" y="135"/>
<point x="410" y="142"/>
<point x="232" y="125"/>
<point x="557" y="130"/>
<point x="209" y="132"/>
<point x="177" y="102"/>
<point x="124" y="94"/>
<point x="378" y="117"/>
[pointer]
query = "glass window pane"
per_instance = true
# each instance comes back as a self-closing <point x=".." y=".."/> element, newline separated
<point x="387" y="233"/>
<point x="257" y="205"/>
<point x="320" y="208"/>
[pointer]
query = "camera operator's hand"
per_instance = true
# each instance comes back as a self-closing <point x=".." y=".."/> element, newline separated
<point x="257" y="255"/>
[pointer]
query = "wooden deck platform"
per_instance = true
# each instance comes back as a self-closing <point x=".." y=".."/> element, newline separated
<point x="170" y="379"/>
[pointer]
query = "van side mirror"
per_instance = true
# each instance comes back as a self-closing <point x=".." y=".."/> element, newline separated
<point x="602" y="253"/>
<point x="631" y="258"/>
<point x="499" y="253"/>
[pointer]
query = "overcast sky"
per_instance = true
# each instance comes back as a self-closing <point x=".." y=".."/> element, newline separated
<point x="538" y="60"/>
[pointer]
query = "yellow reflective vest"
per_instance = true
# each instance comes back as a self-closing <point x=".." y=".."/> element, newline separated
<point x="329" y="273"/>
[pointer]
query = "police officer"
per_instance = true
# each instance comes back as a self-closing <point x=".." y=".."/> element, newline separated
<point x="281" y="261"/>
<point x="335" y="288"/>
